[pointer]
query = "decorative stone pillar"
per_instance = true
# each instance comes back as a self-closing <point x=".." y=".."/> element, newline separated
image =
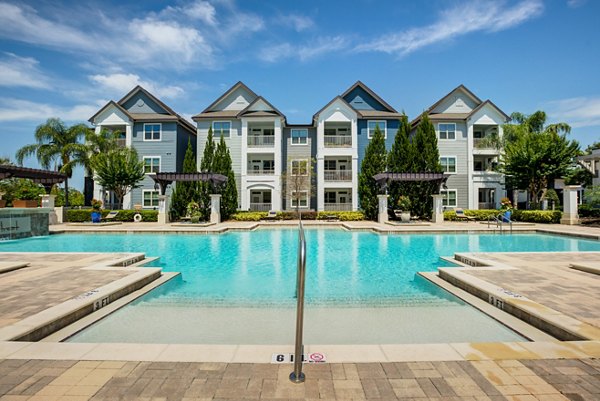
<point x="570" y="214"/>
<point x="438" y="209"/>
<point x="48" y="203"/>
<point x="215" y="208"/>
<point x="163" y="209"/>
<point x="382" y="217"/>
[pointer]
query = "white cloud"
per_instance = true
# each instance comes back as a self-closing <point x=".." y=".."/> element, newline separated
<point x="18" y="71"/>
<point x="203" y="11"/>
<point x="576" y="111"/>
<point x="465" y="18"/>
<point x="25" y="110"/>
<point x="304" y="52"/>
<point x="119" y="84"/>
<point x="576" y="3"/>
<point x="297" y="22"/>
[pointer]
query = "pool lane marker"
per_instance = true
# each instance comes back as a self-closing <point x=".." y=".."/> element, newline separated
<point x="314" y="357"/>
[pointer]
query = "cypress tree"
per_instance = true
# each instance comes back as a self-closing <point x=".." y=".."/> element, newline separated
<point x="426" y="160"/>
<point x="400" y="160"/>
<point x="185" y="192"/>
<point x="206" y="166"/>
<point x="373" y="163"/>
<point x="222" y="164"/>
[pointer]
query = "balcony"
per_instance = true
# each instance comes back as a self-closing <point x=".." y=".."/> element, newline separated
<point x="337" y="141"/>
<point x="261" y="141"/>
<point x="260" y="207"/>
<point x="261" y="172"/>
<point x="337" y="207"/>
<point x="338" y="175"/>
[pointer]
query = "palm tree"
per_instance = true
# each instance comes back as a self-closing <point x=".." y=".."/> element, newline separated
<point x="55" y="144"/>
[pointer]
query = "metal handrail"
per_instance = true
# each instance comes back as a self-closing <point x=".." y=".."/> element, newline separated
<point x="499" y="220"/>
<point x="297" y="376"/>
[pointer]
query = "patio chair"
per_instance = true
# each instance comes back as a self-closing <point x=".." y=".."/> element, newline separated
<point x="460" y="214"/>
<point x="110" y="216"/>
<point x="272" y="215"/>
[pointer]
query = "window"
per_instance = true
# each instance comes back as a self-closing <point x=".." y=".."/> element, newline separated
<point x="447" y="131"/>
<point x="268" y="165"/>
<point x="330" y="165"/>
<point x="221" y="128"/>
<point x="152" y="132"/>
<point x="449" y="198"/>
<point x="382" y="127"/>
<point x="299" y="136"/>
<point x="299" y="199"/>
<point x="150" y="198"/>
<point x="151" y="164"/>
<point x="448" y="164"/>
<point x="300" y="167"/>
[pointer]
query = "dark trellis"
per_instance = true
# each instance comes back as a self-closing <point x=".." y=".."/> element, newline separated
<point x="43" y="177"/>
<point x="162" y="180"/>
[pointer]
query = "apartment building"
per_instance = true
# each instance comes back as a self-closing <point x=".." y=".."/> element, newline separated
<point x="155" y="131"/>
<point x="463" y="122"/>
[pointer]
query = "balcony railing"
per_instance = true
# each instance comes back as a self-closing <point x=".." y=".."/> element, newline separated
<point x="483" y="143"/>
<point x="338" y="175"/>
<point x="261" y="172"/>
<point x="337" y="207"/>
<point x="121" y="143"/>
<point x="338" y="141"/>
<point x="261" y="141"/>
<point x="260" y="207"/>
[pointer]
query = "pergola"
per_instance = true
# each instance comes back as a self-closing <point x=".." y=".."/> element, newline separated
<point x="164" y="179"/>
<point x="384" y="178"/>
<point x="44" y="177"/>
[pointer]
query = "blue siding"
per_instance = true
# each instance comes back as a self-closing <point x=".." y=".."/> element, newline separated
<point x="359" y="99"/>
<point x="166" y="148"/>
<point x="363" y="140"/>
<point x="149" y="105"/>
<point x="183" y="136"/>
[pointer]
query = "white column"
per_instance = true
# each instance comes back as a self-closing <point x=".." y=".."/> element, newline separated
<point x="570" y="214"/>
<point x="215" y="208"/>
<point x="276" y="194"/>
<point x="382" y="216"/>
<point x="320" y="184"/>
<point x="48" y="202"/>
<point x="470" y="190"/>
<point x="438" y="209"/>
<point x="163" y="209"/>
<point x="128" y="135"/>
<point x="354" y="183"/>
<point x="245" y="198"/>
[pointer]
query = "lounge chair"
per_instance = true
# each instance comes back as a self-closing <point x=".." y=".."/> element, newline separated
<point x="460" y="214"/>
<point x="272" y="215"/>
<point x="110" y="216"/>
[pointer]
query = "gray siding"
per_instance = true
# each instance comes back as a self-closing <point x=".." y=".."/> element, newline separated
<point x="460" y="183"/>
<point x="148" y="106"/>
<point x="183" y="136"/>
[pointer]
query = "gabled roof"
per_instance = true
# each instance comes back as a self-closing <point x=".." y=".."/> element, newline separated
<point x="247" y="110"/>
<point x="370" y="92"/>
<point x="106" y="106"/>
<point x="433" y="106"/>
<point x="330" y="103"/>
<point x="488" y="101"/>
<point x="239" y="84"/>
<point x="147" y="116"/>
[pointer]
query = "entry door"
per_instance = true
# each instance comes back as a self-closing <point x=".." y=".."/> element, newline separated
<point x="256" y="197"/>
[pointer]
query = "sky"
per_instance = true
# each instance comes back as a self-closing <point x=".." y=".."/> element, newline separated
<point x="67" y="59"/>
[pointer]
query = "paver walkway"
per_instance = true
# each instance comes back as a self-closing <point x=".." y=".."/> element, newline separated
<point x="50" y="280"/>
<point x="546" y="278"/>
<point x="543" y="380"/>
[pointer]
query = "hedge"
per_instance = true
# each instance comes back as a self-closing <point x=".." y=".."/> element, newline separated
<point x="85" y="215"/>
<point x="249" y="216"/>
<point x="537" y="216"/>
<point x="586" y="210"/>
<point x="479" y="215"/>
<point x="342" y="216"/>
<point x="292" y="215"/>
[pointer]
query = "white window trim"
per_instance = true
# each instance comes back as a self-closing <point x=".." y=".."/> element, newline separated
<point x="377" y="122"/>
<point x="299" y="160"/>
<point x="455" y="163"/>
<point x="439" y="131"/>
<point x="292" y="199"/>
<point x="215" y="136"/>
<point x="149" y="190"/>
<point x="153" y="157"/>
<point x="159" y="133"/>
<point x="455" y="197"/>
<point x="292" y="137"/>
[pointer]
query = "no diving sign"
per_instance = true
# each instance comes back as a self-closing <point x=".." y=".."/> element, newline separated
<point x="315" y="357"/>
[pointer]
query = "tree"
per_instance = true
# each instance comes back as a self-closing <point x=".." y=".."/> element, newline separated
<point x="592" y="195"/>
<point x="536" y="154"/>
<point x="119" y="171"/>
<point x="299" y="178"/>
<point x="55" y="144"/>
<point x="75" y="196"/>
<point x="185" y="192"/>
<point x="20" y="188"/>
<point x="425" y="159"/>
<point x="400" y="159"/>
<point x="222" y="164"/>
<point x="373" y="163"/>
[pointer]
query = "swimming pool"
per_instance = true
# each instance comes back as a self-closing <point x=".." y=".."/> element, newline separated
<point x="361" y="287"/>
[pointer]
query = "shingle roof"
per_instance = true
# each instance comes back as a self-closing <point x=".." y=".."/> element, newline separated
<point x="216" y="114"/>
<point x="239" y="84"/>
<point x="153" y="117"/>
<point x="378" y="114"/>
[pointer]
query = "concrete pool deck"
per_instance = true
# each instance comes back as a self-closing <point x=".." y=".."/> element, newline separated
<point x="543" y="370"/>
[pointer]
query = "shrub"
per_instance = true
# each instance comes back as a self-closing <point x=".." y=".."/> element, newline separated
<point x="586" y="210"/>
<point x="343" y="216"/>
<point x="479" y="215"/>
<point x="537" y="216"/>
<point x="306" y="215"/>
<point x="249" y="216"/>
<point x="84" y="215"/>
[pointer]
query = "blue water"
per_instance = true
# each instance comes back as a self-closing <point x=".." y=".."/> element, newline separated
<point x="258" y="268"/>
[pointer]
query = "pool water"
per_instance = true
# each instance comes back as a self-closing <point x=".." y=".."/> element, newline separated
<point x="361" y="287"/>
